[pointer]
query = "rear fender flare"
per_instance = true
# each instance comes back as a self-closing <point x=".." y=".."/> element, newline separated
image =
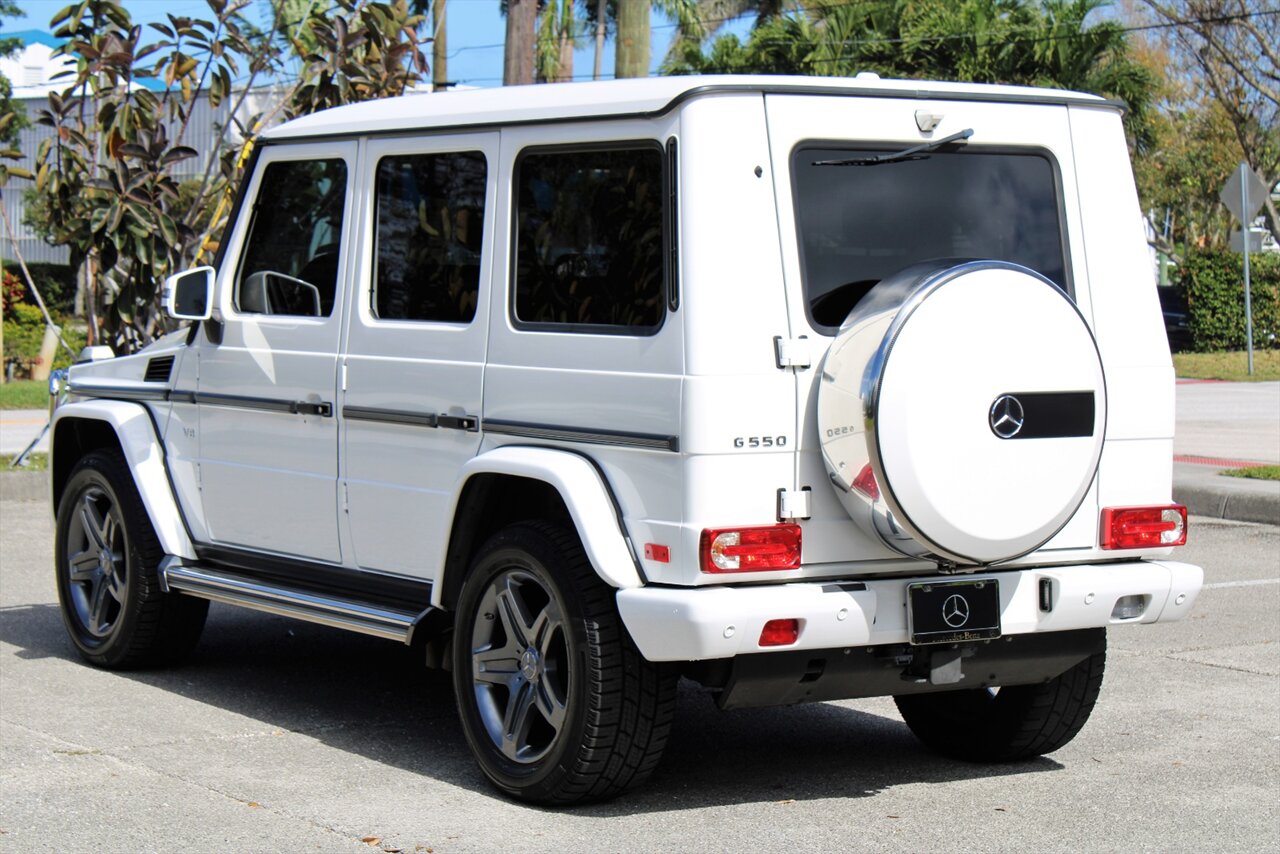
<point x="585" y="494"/>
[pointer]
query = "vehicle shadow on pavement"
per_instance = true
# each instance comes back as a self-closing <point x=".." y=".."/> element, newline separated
<point x="373" y="699"/>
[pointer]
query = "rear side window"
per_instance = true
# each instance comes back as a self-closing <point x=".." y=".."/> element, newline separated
<point x="860" y="223"/>
<point x="589" y="240"/>
<point x="429" y="233"/>
<point x="290" y="261"/>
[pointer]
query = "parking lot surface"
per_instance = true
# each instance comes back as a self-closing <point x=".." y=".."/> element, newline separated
<point x="283" y="736"/>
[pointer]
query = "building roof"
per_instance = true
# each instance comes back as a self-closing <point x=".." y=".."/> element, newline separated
<point x="28" y="37"/>
<point x="646" y="96"/>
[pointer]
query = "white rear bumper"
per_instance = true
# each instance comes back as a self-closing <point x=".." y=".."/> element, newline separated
<point x="696" y="623"/>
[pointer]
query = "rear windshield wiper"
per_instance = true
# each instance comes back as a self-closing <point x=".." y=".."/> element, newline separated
<point x="895" y="156"/>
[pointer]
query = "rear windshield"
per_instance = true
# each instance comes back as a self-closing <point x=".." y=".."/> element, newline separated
<point x="860" y="223"/>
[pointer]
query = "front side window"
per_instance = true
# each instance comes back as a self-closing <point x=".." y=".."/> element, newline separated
<point x="860" y="222"/>
<point x="430" y="229"/>
<point x="290" y="261"/>
<point x="589" y="239"/>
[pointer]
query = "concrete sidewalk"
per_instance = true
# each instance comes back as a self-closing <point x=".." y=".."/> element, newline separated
<point x="1218" y="426"/>
<point x="1225" y="426"/>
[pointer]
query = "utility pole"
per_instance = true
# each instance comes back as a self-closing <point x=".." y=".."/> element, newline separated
<point x="439" y="47"/>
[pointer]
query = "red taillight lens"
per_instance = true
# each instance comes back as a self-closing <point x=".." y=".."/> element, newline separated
<point x="1144" y="527"/>
<point x="865" y="483"/>
<point x="780" y="633"/>
<point x="750" y="549"/>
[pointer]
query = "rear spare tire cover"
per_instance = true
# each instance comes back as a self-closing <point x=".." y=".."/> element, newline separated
<point x="961" y="411"/>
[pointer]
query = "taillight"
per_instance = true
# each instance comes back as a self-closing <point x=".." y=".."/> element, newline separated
<point x="750" y="549"/>
<point x="1144" y="527"/>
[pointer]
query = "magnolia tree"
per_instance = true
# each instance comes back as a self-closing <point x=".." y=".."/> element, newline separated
<point x="107" y="180"/>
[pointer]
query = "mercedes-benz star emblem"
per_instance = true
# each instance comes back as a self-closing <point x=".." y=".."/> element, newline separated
<point x="1006" y="416"/>
<point x="955" y="611"/>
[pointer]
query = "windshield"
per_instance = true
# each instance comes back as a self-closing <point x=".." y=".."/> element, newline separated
<point x="861" y="222"/>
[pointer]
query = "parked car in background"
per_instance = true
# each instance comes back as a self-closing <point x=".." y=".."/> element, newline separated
<point x="1177" y="318"/>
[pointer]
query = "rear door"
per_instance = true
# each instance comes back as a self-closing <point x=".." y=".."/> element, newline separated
<point x="848" y="222"/>
<point x="413" y="369"/>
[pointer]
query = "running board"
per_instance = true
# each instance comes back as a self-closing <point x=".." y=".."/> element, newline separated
<point x="220" y="586"/>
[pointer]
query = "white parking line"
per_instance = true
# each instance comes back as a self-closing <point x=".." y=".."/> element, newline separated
<point x="1253" y="583"/>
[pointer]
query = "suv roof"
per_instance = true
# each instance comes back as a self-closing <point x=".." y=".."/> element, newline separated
<point x="634" y="97"/>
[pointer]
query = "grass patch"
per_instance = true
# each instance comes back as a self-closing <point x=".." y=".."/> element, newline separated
<point x="24" y="394"/>
<point x="36" y="461"/>
<point x="1256" y="472"/>
<point x="1232" y="366"/>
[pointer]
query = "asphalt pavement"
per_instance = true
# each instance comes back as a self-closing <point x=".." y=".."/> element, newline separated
<point x="284" y="736"/>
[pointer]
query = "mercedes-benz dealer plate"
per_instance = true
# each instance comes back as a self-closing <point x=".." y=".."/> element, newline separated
<point x="954" y="611"/>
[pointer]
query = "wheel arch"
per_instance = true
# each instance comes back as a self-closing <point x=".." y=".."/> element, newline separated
<point x="499" y="488"/>
<point x="126" y="427"/>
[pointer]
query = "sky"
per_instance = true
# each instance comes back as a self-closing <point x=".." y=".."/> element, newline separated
<point x="475" y="33"/>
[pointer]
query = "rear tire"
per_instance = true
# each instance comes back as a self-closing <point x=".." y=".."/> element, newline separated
<point x="106" y="558"/>
<point x="1009" y="723"/>
<point x="557" y="704"/>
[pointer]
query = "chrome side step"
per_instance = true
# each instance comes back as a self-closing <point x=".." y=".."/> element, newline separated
<point x="220" y="586"/>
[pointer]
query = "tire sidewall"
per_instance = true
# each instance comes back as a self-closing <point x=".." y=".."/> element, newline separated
<point x="537" y="556"/>
<point x="94" y="471"/>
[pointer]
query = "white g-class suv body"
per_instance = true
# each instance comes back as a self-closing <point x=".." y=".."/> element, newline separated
<point x="803" y="389"/>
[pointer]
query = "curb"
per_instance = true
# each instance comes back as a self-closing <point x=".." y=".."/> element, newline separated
<point x="1220" y="497"/>
<point x="24" y="486"/>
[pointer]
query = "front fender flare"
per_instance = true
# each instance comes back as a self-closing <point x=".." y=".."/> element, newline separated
<point x="585" y="494"/>
<point x="142" y="449"/>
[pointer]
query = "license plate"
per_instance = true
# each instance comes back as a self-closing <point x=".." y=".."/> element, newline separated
<point x="954" y="611"/>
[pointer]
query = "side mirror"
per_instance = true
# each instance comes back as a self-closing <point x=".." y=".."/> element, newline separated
<point x="189" y="295"/>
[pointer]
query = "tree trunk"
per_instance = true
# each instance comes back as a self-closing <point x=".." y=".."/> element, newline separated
<point x="439" y="48"/>
<point x="517" y="60"/>
<point x="600" y="10"/>
<point x="633" y="39"/>
<point x="566" y="59"/>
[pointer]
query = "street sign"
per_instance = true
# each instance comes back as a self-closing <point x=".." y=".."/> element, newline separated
<point x="1236" y="241"/>
<point x="1244" y="178"/>
<point x="1243" y="196"/>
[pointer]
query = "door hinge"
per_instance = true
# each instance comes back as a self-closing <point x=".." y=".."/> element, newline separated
<point x="792" y="352"/>
<point x="794" y="504"/>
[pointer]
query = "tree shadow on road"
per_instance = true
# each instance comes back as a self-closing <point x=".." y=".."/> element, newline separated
<point x="373" y="698"/>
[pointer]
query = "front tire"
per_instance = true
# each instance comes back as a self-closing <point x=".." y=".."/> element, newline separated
<point x="557" y="704"/>
<point x="106" y="557"/>
<point x="1010" y="723"/>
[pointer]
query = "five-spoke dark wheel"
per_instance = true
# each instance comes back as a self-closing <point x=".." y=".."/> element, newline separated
<point x="556" y="702"/>
<point x="106" y="560"/>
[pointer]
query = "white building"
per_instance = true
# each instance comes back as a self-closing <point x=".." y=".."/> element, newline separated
<point x="32" y="72"/>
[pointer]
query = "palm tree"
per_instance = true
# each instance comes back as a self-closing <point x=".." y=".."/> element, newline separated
<point x="558" y="28"/>
<point x="518" y="54"/>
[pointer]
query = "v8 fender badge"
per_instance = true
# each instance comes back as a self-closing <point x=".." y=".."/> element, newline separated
<point x="1006" y="417"/>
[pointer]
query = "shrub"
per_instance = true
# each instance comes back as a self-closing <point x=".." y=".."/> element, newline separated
<point x="1213" y="283"/>
<point x="24" y="333"/>
<point x="57" y="284"/>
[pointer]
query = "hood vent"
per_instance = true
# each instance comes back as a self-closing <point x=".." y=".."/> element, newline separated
<point x="158" y="369"/>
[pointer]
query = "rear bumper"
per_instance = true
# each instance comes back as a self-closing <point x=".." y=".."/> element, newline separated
<point x="694" y="624"/>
